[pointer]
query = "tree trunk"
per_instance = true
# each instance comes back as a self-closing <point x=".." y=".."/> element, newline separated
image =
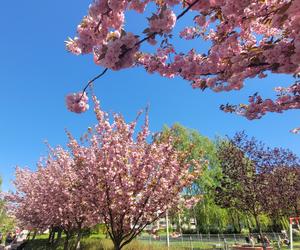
<point x="196" y="222"/>
<point x="66" y="244"/>
<point x="179" y="224"/>
<point x="28" y="236"/>
<point x="117" y="245"/>
<point x="79" y="235"/>
<point x="50" y="235"/>
<point x="34" y="234"/>
<point x="59" y="233"/>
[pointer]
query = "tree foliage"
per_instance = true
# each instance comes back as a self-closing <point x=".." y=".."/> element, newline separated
<point x="210" y="217"/>
<point x="256" y="179"/>
<point x="7" y="223"/>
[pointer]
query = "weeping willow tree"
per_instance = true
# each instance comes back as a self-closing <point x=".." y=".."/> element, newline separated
<point x="209" y="216"/>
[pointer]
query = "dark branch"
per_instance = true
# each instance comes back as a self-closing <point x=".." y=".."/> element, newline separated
<point x="187" y="9"/>
<point x="92" y="80"/>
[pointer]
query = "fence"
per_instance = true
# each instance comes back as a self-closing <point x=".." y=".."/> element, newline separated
<point x="205" y="241"/>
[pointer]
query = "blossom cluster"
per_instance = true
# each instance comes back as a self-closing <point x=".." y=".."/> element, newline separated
<point x="77" y="102"/>
<point x="288" y="98"/>
<point x="295" y="131"/>
<point x="118" y="53"/>
<point x="163" y="22"/>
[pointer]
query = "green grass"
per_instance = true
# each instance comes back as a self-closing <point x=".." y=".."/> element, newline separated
<point x="99" y="242"/>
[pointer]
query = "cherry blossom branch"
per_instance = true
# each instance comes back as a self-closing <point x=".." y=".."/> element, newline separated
<point x="92" y="80"/>
<point x="268" y="14"/>
<point x="138" y="43"/>
<point x="187" y="9"/>
<point x="140" y="229"/>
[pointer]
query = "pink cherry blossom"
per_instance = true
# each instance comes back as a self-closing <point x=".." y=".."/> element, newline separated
<point x="77" y="102"/>
<point x="118" y="53"/>
<point x="163" y="22"/>
<point x="295" y="131"/>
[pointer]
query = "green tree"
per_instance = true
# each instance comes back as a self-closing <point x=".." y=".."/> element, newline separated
<point x="6" y="222"/>
<point x="203" y="149"/>
<point x="209" y="216"/>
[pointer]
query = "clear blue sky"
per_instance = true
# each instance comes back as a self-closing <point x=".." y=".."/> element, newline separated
<point x="37" y="73"/>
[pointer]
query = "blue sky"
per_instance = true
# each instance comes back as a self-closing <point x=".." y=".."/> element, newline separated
<point x="37" y="73"/>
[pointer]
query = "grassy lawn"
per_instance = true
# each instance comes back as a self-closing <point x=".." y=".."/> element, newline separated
<point x="99" y="242"/>
<point x="105" y="244"/>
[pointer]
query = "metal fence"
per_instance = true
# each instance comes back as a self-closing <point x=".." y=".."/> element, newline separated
<point x="206" y="241"/>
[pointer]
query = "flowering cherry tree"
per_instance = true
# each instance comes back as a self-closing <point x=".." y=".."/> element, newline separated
<point x="248" y="39"/>
<point x="54" y="196"/>
<point x="114" y="176"/>
<point x="137" y="181"/>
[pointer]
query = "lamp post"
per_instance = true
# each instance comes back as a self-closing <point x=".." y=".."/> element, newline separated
<point x="168" y="234"/>
<point x="291" y="233"/>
